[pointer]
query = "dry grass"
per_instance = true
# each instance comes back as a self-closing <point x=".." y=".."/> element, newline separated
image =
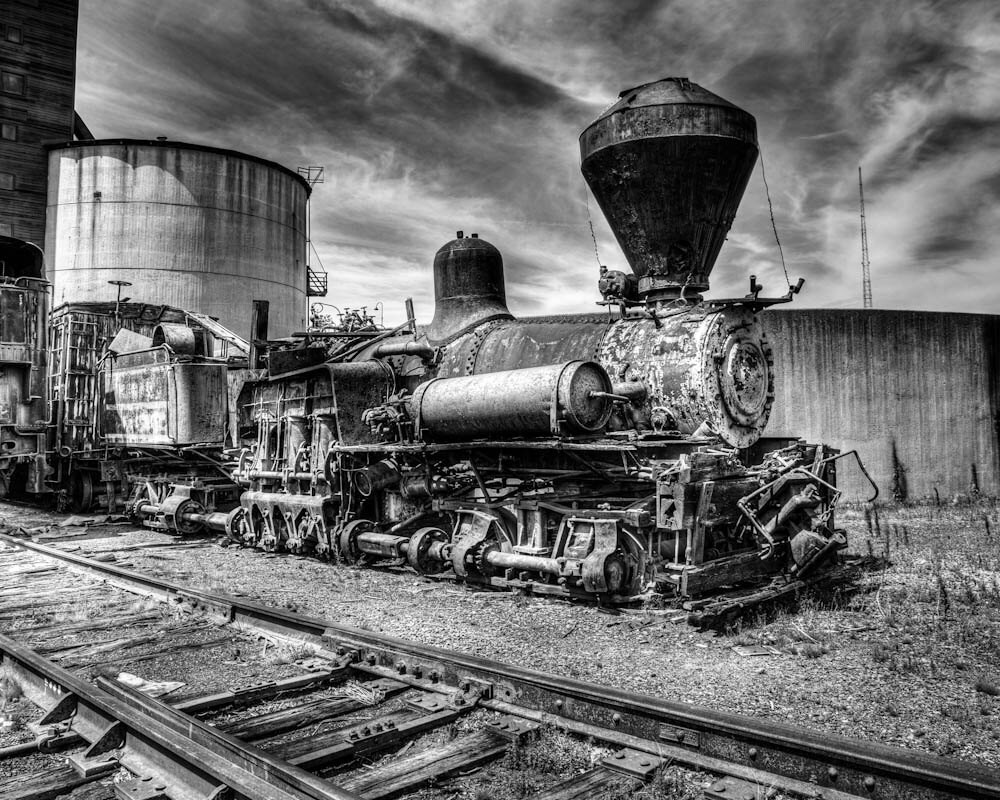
<point x="927" y="619"/>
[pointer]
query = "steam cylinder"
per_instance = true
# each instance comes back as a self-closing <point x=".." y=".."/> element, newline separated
<point x="668" y="164"/>
<point x="537" y="401"/>
<point x="194" y="227"/>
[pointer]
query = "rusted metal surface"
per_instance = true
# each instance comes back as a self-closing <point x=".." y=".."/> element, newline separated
<point x="468" y="286"/>
<point x="700" y="367"/>
<point x="522" y="402"/>
<point x="152" y="399"/>
<point x="668" y="165"/>
<point x="692" y="366"/>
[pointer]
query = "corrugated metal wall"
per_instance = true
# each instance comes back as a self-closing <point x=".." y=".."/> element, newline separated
<point x="923" y="384"/>
<point x="194" y="227"/>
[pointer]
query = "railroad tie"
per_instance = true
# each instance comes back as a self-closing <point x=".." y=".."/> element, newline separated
<point x="433" y="764"/>
<point x="596" y="782"/>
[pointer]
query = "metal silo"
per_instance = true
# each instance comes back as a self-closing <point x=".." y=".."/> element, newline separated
<point x="199" y="228"/>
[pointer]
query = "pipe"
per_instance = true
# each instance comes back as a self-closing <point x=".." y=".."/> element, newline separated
<point x="407" y="348"/>
<point x="384" y="545"/>
<point x="215" y="520"/>
<point x="503" y="560"/>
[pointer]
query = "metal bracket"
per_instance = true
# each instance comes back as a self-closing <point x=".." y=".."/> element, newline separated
<point x="673" y="733"/>
<point x="730" y="788"/>
<point x="369" y="730"/>
<point x="251" y="688"/>
<point x="515" y="729"/>
<point x="90" y="767"/>
<point x="634" y="762"/>
<point x="64" y="709"/>
<point x="431" y="703"/>
<point x="111" y="738"/>
<point x="140" y="789"/>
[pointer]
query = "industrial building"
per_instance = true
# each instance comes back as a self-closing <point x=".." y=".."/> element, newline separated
<point x="37" y="82"/>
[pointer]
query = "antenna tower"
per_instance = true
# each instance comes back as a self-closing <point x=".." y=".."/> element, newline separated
<point x="866" y="275"/>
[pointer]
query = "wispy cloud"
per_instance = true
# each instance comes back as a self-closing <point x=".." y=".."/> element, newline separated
<point x="437" y="115"/>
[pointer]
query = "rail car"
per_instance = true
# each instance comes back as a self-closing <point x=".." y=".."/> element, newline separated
<point x="605" y="455"/>
<point x="102" y="401"/>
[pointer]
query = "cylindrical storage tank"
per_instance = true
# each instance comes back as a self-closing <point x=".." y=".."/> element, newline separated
<point x="198" y="228"/>
<point x="537" y="401"/>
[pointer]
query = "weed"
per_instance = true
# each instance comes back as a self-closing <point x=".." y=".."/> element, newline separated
<point x="880" y="652"/>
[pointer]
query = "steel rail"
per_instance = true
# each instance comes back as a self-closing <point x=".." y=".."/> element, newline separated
<point x="785" y="755"/>
<point x="163" y="755"/>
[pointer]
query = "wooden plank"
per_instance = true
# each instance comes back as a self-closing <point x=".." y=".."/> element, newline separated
<point x="339" y="746"/>
<point x="104" y="623"/>
<point x="166" y="647"/>
<point x="596" y="782"/>
<point x="45" y="785"/>
<point x="199" y="704"/>
<point x="310" y="712"/>
<point x="433" y="764"/>
<point x="325" y="740"/>
<point x="42" y="604"/>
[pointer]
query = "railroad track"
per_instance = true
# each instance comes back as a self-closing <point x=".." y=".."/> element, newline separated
<point x="301" y="736"/>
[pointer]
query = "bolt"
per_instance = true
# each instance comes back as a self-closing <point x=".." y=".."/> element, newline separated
<point x="401" y="667"/>
<point x="464" y="685"/>
<point x="620" y="755"/>
<point x="832" y="773"/>
<point x="752" y="752"/>
<point x="371" y="659"/>
<point x="644" y="763"/>
<point x="459" y="701"/>
<point x="719" y="787"/>
<point x="366" y="731"/>
<point x="870" y="783"/>
<point x="417" y="671"/>
<point x="355" y="735"/>
<point x="616" y="718"/>
<point x="341" y="650"/>
<point x="559" y="703"/>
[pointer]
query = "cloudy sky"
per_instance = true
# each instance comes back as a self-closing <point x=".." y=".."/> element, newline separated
<point x="431" y="116"/>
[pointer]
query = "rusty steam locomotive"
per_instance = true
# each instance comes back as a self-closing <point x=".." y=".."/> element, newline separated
<point x="602" y="455"/>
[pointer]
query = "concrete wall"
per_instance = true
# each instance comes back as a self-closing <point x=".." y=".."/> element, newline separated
<point x="924" y="383"/>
